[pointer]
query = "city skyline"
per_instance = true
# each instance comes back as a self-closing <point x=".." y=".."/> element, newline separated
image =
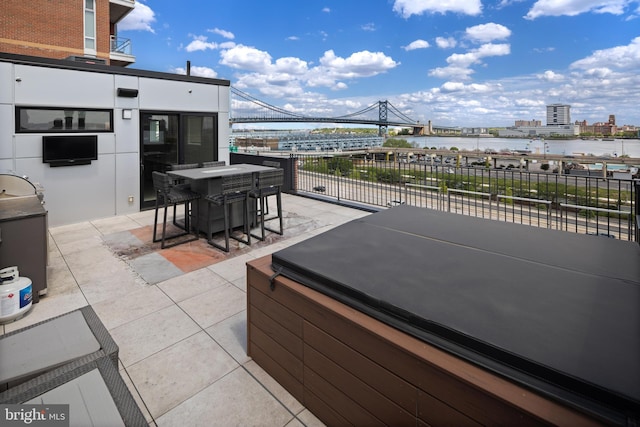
<point x="459" y="63"/>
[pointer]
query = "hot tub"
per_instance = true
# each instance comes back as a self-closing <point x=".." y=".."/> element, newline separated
<point x="554" y="314"/>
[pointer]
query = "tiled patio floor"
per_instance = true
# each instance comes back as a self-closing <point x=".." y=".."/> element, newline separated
<point x="178" y="315"/>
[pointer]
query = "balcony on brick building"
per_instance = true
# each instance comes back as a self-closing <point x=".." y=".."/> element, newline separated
<point x="119" y="48"/>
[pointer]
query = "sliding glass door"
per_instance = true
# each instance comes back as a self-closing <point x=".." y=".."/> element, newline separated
<point x="200" y="139"/>
<point x="171" y="138"/>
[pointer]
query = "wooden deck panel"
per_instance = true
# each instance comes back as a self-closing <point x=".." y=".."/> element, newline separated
<point x="437" y="413"/>
<point x="370" y="400"/>
<point x="339" y="401"/>
<point x="278" y="312"/>
<point x="290" y="382"/>
<point x="277" y="332"/>
<point x="363" y="368"/>
<point x="323" y="411"/>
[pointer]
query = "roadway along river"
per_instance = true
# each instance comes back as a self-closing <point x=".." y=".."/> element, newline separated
<point x="575" y="147"/>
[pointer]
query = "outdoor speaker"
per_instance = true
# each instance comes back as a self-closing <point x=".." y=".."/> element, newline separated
<point x="127" y="93"/>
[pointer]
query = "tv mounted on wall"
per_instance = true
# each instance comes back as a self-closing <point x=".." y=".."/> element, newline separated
<point x="69" y="150"/>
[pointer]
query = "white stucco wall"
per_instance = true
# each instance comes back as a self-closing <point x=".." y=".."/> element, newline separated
<point x="102" y="189"/>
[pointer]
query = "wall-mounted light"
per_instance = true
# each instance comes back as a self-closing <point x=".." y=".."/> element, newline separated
<point x="127" y="93"/>
<point x="127" y="114"/>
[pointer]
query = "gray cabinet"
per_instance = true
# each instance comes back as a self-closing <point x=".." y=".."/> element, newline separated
<point x="23" y="240"/>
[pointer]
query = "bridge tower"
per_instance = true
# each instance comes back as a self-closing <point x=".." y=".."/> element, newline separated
<point x="382" y="116"/>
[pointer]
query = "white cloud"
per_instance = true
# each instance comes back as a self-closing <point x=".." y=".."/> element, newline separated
<point x="505" y="3"/>
<point x="453" y="86"/>
<point x="359" y="64"/>
<point x="200" y="43"/>
<point x="485" y="33"/>
<point x="451" y="72"/>
<point x="226" y="34"/>
<point x="140" y="18"/>
<point x="326" y="10"/>
<point x="492" y="49"/>
<point x="537" y="103"/>
<point x="291" y="65"/>
<point x="474" y="56"/>
<point x="226" y="45"/>
<point x="289" y="74"/>
<point x="624" y="57"/>
<point x="197" y="71"/>
<point x="417" y="44"/>
<point x="576" y="7"/>
<point x="599" y="73"/>
<point x="446" y="42"/>
<point x="460" y="63"/>
<point x="406" y="8"/>
<point x="369" y="27"/>
<point x="246" y="58"/>
<point x="550" y="76"/>
<point x="293" y="38"/>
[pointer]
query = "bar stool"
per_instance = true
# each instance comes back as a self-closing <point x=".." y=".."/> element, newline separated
<point x="235" y="189"/>
<point x="269" y="183"/>
<point x="181" y="184"/>
<point x="271" y="164"/>
<point x="183" y="166"/>
<point x="213" y="164"/>
<point x="167" y="194"/>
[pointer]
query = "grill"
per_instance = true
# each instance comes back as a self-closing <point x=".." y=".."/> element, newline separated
<point x="12" y="186"/>
<point x="23" y="230"/>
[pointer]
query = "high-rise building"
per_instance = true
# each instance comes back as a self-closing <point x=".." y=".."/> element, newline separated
<point x="520" y="123"/>
<point x="80" y="30"/>
<point x="558" y="114"/>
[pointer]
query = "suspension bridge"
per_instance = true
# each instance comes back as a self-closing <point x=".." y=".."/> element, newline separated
<point x="248" y="109"/>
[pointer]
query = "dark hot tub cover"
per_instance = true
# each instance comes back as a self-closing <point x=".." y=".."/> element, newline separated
<point x="557" y="312"/>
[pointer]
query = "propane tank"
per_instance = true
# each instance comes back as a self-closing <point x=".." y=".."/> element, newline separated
<point x="16" y="295"/>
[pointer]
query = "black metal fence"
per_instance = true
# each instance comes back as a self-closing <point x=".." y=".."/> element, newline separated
<point x="576" y="203"/>
<point x="286" y="163"/>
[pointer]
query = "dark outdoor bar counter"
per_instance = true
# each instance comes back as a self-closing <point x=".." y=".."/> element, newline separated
<point x="555" y="314"/>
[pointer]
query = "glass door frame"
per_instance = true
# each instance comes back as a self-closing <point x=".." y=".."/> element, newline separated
<point x="146" y="167"/>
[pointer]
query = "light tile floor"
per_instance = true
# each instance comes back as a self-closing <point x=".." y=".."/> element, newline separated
<point x="182" y="336"/>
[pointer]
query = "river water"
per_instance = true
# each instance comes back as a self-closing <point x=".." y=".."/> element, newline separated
<point x="575" y="147"/>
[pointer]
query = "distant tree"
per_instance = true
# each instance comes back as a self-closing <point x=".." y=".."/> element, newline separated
<point x="404" y="131"/>
<point x="397" y="143"/>
<point x="454" y="149"/>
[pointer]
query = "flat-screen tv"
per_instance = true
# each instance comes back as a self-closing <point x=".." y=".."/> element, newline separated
<point x="69" y="150"/>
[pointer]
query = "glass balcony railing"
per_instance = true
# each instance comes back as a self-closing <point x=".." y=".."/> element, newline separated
<point x="121" y="46"/>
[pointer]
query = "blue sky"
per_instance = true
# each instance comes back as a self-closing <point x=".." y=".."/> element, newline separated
<point x="454" y="62"/>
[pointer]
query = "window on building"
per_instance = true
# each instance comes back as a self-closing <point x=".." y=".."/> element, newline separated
<point x="90" y="27"/>
<point x="59" y="120"/>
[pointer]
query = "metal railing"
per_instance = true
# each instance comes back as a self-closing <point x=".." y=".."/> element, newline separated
<point x="121" y="45"/>
<point x="574" y="203"/>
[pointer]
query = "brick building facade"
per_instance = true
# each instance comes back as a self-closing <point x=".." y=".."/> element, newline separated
<point x="56" y="28"/>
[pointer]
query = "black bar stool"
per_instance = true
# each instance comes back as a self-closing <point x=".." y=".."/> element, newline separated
<point x="269" y="183"/>
<point x="235" y="189"/>
<point x="271" y="164"/>
<point x="167" y="194"/>
<point x="182" y="185"/>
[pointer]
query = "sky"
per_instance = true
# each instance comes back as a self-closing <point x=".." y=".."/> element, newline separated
<point x="463" y="63"/>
